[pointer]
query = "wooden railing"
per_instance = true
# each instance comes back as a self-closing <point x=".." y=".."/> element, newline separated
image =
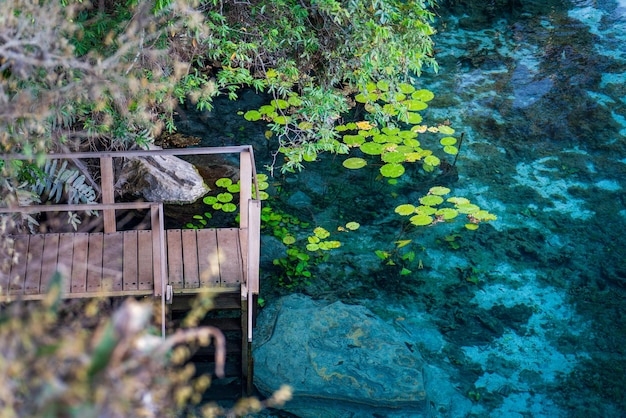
<point x="249" y="224"/>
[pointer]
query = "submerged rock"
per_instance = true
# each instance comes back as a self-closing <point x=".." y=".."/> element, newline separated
<point x="343" y="360"/>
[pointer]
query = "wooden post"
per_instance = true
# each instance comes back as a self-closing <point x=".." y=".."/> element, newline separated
<point x="106" y="173"/>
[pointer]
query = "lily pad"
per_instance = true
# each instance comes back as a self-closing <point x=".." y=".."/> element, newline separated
<point x="446" y="130"/>
<point x="426" y="210"/>
<point x="432" y="160"/>
<point x="353" y="226"/>
<point x="392" y="170"/>
<point x="448" y="140"/>
<point x="439" y="190"/>
<point x="354" y="163"/>
<point x="447" y="213"/>
<point x="406" y="88"/>
<point x="223" y="182"/>
<point x="423" y="95"/>
<point x="467" y="208"/>
<point x="471" y="227"/>
<point x="229" y="207"/>
<point x="421" y="220"/>
<point x="415" y="105"/>
<point x="414" y="118"/>
<point x="431" y="200"/>
<point x="280" y="104"/>
<point x="353" y="140"/>
<point x="405" y="210"/>
<point x="252" y="115"/>
<point x="451" y="149"/>
<point x="393" y="157"/>
<point x="458" y="200"/>
<point x="372" y="148"/>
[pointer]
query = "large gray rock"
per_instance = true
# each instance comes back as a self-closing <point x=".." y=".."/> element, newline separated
<point x="166" y="179"/>
<point x="344" y="361"/>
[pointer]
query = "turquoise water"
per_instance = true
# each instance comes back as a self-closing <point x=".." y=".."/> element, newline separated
<point x="526" y="313"/>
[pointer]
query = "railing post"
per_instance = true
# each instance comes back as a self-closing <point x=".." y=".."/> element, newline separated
<point x="106" y="173"/>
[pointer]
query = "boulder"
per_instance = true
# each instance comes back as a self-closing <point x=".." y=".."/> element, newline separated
<point x="344" y="361"/>
<point x="166" y="179"/>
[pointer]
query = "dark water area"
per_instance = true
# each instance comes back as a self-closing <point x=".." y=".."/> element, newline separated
<point x="529" y="309"/>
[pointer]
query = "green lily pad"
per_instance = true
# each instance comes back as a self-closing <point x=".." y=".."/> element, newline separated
<point x="439" y="190"/>
<point x="406" y="88"/>
<point x="467" y="208"/>
<point x="233" y="188"/>
<point x="446" y="130"/>
<point x="392" y="170"/>
<point x="224" y="197"/>
<point x="372" y="148"/>
<point x="210" y="200"/>
<point x="471" y="227"/>
<point x="448" y="140"/>
<point x="252" y="115"/>
<point x="458" y="200"/>
<point x="431" y="200"/>
<point x="425" y="210"/>
<point x="447" y="213"/>
<point x="281" y="120"/>
<point x="421" y="220"/>
<point x="432" y="160"/>
<point x="353" y="226"/>
<point x="451" y="149"/>
<point x="393" y="157"/>
<point x="266" y="110"/>
<point x="229" y="207"/>
<point x="411" y="142"/>
<point x="312" y="247"/>
<point x="294" y="100"/>
<point x="405" y="210"/>
<point x="353" y="139"/>
<point x="415" y="105"/>
<point x="280" y="104"/>
<point x="423" y="95"/>
<point x="289" y="239"/>
<point x="413" y="118"/>
<point x="305" y="125"/>
<point x="223" y="182"/>
<point x="354" y="163"/>
<point x="382" y="85"/>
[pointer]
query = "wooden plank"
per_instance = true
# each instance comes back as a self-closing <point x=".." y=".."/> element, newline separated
<point x="190" y="259"/>
<point x="112" y="261"/>
<point x="106" y="172"/>
<point x="174" y="258"/>
<point x="158" y="255"/>
<point x="49" y="260"/>
<point x="229" y="252"/>
<point x="94" y="263"/>
<point x="79" y="263"/>
<point x="144" y="260"/>
<point x="33" y="267"/>
<point x="18" y="269"/>
<point x="64" y="261"/>
<point x="130" y="278"/>
<point x="208" y="259"/>
<point x="6" y="260"/>
<point x="254" y="247"/>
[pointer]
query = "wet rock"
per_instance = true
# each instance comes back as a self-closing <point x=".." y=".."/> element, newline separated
<point x="343" y="360"/>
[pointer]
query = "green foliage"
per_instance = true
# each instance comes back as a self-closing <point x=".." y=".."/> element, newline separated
<point x="78" y="358"/>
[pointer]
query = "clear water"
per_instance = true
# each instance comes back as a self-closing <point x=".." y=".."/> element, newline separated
<point x="531" y="307"/>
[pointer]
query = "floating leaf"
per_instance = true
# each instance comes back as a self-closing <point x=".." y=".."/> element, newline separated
<point x="382" y="85"/>
<point x="415" y="105"/>
<point x="294" y="100"/>
<point x="404" y="271"/>
<point x="372" y="148"/>
<point x="280" y="103"/>
<point x="209" y="200"/>
<point x="289" y="239"/>
<point x="266" y="110"/>
<point x="402" y="243"/>
<point x="353" y="226"/>
<point x="233" y="188"/>
<point x="451" y="149"/>
<point x="393" y="157"/>
<point x="448" y="140"/>
<point x="471" y="227"/>
<point x="413" y="118"/>
<point x="432" y="160"/>
<point x="392" y="170"/>
<point x="252" y="115"/>
<point x="425" y="210"/>
<point x="439" y="190"/>
<point x="223" y="182"/>
<point x="229" y="207"/>
<point x="467" y="208"/>
<point x="312" y="247"/>
<point x="365" y="125"/>
<point x="446" y="130"/>
<point x="354" y="163"/>
<point x="431" y="200"/>
<point x="321" y="232"/>
<point x="423" y="95"/>
<point x="447" y="213"/>
<point x="281" y="120"/>
<point x="224" y="197"/>
<point x="458" y="200"/>
<point x="406" y="88"/>
<point x="405" y="210"/>
<point x="353" y="140"/>
<point x="483" y="215"/>
<point x="383" y="255"/>
<point x="313" y="239"/>
<point x="421" y="220"/>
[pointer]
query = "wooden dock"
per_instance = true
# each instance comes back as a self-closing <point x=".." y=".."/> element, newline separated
<point x="159" y="263"/>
